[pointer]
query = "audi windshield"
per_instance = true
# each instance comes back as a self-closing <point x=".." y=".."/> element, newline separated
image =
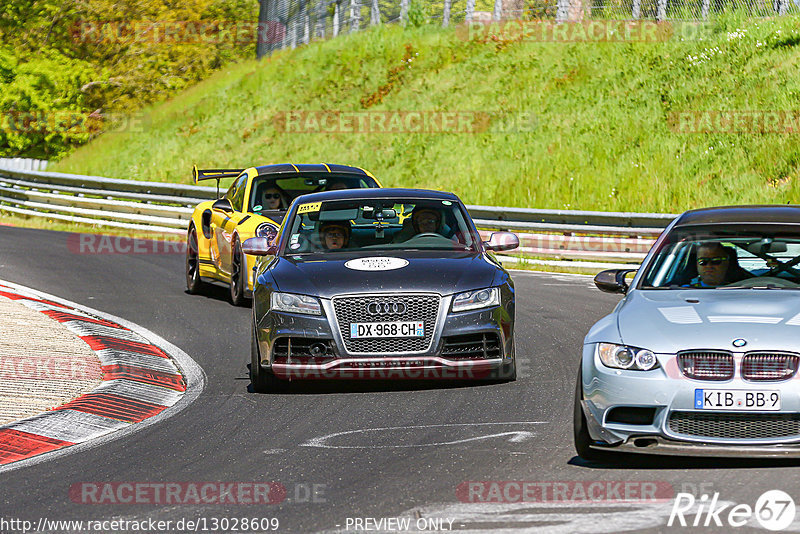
<point x="380" y="224"/>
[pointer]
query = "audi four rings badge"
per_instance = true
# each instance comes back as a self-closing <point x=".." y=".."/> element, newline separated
<point x="386" y="308"/>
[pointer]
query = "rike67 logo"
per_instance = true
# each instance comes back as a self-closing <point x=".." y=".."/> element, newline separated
<point x="774" y="510"/>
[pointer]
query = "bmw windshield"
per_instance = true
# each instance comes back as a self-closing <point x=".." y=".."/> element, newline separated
<point x="379" y="224"/>
<point x="726" y="257"/>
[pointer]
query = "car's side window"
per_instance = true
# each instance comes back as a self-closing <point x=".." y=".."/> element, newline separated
<point x="236" y="193"/>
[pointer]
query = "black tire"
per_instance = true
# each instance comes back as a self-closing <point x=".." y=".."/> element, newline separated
<point x="263" y="381"/>
<point x="238" y="280"/>
<point x="194" y="285"/>
<point x="580" y="430"/>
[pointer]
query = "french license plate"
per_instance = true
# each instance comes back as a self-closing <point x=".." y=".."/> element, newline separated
<point x="737" y="399"/>
<point x="387" y="329"/>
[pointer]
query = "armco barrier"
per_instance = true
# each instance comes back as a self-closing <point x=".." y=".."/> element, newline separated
<point x="560" y="235"/>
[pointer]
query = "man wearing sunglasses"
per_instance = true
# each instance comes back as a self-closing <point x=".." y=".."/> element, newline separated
<point x="716" y="266"/>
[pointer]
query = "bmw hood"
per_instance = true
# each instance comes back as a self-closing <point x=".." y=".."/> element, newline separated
<point x="669" y="321"/>
<point x="424" y="271"/>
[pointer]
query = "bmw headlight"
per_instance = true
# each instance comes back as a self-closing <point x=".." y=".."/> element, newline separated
<point x="479" y="298"/>
<point x="625" y="357"/>
<point x="290" y="302"/>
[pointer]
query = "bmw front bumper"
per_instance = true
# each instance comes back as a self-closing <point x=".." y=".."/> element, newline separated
<point x="636" y="411"/>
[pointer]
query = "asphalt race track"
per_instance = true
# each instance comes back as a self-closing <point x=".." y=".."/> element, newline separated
<point x="373" y="451"/>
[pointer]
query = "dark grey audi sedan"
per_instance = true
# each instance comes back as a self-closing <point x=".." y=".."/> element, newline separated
<point x="381" y="283"/>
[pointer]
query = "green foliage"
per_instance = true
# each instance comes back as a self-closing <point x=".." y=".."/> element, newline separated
<point x="602" y="135"/>
<point x="417" y="13"/>
<point x="85" y="56"/>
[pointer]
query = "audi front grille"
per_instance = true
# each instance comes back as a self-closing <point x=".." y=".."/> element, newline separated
<point x="423" y="308"/>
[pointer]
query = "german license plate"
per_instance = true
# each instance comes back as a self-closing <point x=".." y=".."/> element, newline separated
<point x="737" y="399"/>
<point x="387" y="329"/>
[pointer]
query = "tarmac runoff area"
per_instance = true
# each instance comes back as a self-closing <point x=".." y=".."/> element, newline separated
<point x="70" y="377"/>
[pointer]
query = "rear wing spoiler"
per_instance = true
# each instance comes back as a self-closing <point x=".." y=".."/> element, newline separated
<point x="214" y="174"/>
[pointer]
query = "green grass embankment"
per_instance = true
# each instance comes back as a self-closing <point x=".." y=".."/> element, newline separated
<point x="601" y="137"/>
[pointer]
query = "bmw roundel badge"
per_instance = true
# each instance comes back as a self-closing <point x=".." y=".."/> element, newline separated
<point x="739" y="342"/>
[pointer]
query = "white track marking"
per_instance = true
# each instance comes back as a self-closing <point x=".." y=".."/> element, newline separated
<point x="68" y="425"/>
<point x="41" y="306"/>
<point x="83" y="328"/>
<point x="140" y="391"/>
<point x="517" y="436"/>
<point x="147" y="361"/>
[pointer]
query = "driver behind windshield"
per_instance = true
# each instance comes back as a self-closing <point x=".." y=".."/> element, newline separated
<point x="334" y="235"/>
<point x="427" y="221"/>
<point x="716" y="266"/>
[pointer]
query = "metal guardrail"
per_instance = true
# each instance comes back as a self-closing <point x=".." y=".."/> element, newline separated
<point x="552" y="236"/>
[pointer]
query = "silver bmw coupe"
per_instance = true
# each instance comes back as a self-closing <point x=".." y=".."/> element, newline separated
<point x="700" y="357"/>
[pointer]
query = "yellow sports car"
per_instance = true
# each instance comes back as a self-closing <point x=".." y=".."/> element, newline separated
<point x="254" y="205"/>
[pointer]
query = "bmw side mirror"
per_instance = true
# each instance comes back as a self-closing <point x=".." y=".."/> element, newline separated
<point x="222" y="204"/>
<point x="259" y="246"/>
<point x="613" y="280"/>
<point x="502" y="241"/>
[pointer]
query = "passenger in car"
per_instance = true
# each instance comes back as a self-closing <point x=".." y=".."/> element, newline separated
<point x="336" y="186"/>
<point x="272" y="198"/>
<point x="334" y="235"/>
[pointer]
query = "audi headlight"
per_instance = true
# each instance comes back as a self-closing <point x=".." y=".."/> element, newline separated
<point x="625" y="357"/>
<point x="479" y="298"/>
<point x="290" y="302"/>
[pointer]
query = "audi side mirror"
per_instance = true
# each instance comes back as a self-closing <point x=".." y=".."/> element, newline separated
<point x="259" y="246"/>
<point x="502" y="241"/>
<point x="222" y="204"/>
